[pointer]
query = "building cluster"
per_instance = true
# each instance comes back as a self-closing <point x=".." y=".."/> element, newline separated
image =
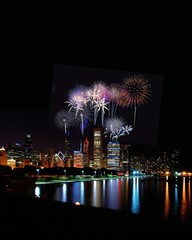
<point x="114" y="156"/>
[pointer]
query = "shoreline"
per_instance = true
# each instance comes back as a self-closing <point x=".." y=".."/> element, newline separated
<point x="53" y="181"/>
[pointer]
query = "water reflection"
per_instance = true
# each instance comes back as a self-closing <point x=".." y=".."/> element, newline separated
<point x="186" y="198"/>
<point x="135" y="196"/>
<point x="37" y="192"/>
<point x="170" y="197"/>
<point x="176" y="199"/>
<point x="96" y="198"/>
<point x="64" y="193"/>
<point x="167" y="201"/>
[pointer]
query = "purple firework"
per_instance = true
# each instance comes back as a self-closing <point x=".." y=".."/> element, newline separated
<point x="77" y="98"/>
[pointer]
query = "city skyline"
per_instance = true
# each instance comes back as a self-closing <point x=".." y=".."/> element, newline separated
<point x="18" y="120"/>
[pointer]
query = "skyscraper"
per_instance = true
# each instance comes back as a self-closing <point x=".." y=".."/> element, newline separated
<point x="3" y="156"/>
<point x="97" y="147"/>
<point x="125" y="157"/>
<point x="67" y="153"/>
<point x="86" y="151"/>
<point x="113" y="155"/>
<point x="28" y="146"/>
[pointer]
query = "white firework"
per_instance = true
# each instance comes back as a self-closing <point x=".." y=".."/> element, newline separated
<point x="64" y="119"/>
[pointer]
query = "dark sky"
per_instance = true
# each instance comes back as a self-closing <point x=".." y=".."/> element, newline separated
<point x="26" y="98"/>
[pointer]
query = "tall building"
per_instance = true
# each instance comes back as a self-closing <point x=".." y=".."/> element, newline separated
<point x="113" y="155"/>
<point x="67" y="148"/>
<point x="28" y="147"/>
<point x="97" y="148"/>
<point x="51" y="158"/>
<point x="86" y="151"/>
<point x="15" y="152"/>
<point x="125" y="157"/>
<point x="3" y="156"/>
<point x="78" y="159"/>
<point x="31" y="156"/>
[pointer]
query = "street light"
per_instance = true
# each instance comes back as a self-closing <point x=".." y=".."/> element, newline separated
<point x="65" y="172"/>
<point x="37" y="171"/>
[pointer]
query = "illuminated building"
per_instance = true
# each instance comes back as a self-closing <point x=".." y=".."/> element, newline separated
<point x="125" y="157"/>
<point x="59" y="159"/>
<point x="16" y="152"/>
<point x="28" y="146"/>
<point x="97" y="148"/>
<point x="11" y="163"/>
<point x="78" y="159"/>
<point x="113" y="155"/>
<point x="31" y="157"/>
<point x="86" y="151"/>
<point x="3" y="156"/>
<point x="67" y="152"/>
<point x="51" y="158"/>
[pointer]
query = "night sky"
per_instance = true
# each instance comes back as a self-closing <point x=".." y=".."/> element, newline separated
<point x="28" y="102"/>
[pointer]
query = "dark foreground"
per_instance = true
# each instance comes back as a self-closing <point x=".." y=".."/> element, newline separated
<point x="27" y="217"/>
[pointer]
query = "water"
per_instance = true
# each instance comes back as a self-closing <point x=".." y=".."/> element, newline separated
<point x="168" y="198"/>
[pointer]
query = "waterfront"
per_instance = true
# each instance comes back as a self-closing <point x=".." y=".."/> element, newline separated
<point x="169" y="199"/>
<point x="116" y="207"/>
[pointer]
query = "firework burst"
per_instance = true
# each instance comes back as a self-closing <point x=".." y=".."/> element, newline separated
<point x="64" y="119"/>
<point x="138" y="91"/>
<point x="77" y="98"/>
<point x="97" y="91"/>
<point x="114" y="128"/>
<point x="96" y="98"/>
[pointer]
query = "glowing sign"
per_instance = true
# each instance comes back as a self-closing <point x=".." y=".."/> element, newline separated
<point x="61" y="155"/>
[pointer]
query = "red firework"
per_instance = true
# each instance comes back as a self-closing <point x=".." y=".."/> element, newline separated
<point x="138" y="88"/>
<point x="138" y="91"/>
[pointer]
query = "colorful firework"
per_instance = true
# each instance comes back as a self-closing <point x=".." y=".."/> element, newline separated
<point x="138" y="91"/>
<point x="96" y="92"/>
<point x="96" y="98"/>
<point x="77" y="98"/>
<point x="64" y="119"/>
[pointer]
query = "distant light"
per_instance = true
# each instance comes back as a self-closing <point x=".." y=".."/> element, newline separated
<point x="77" y="203"/>
<point x="18" y="144"/>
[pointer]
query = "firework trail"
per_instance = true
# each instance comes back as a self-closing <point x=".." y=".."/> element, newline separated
<point x="137" y="92"/>
<point x="64" y="119"/>
<point x="114" y="93"/>
<point x="100" y="106"/>
<point x="82" y="118"/>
